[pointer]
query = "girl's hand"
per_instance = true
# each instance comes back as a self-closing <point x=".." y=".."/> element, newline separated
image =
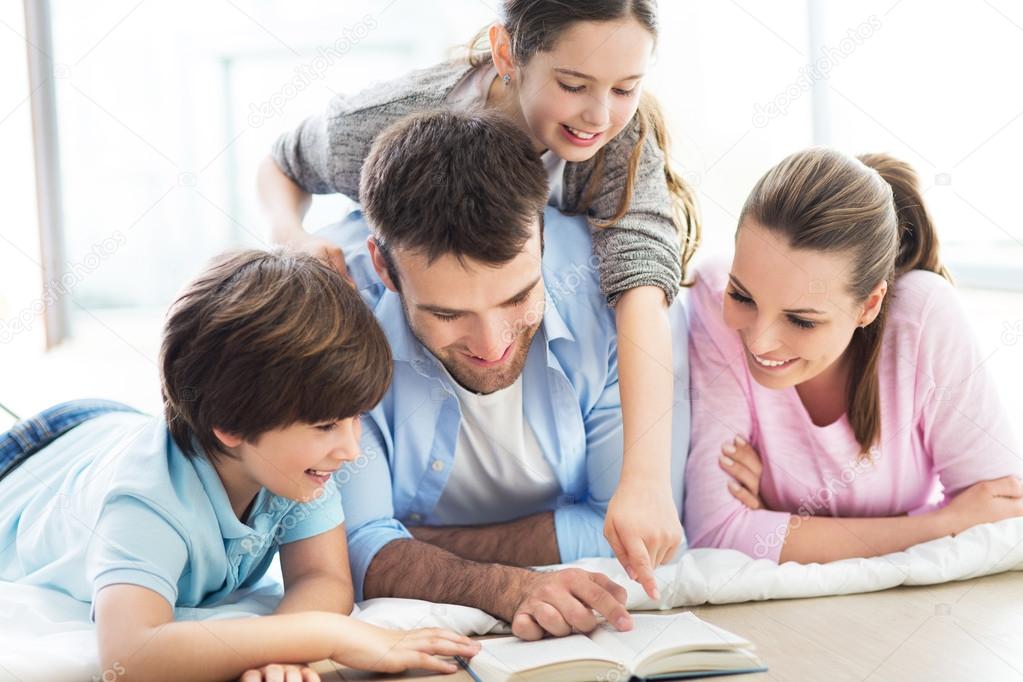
<point x="740" y="461"/>
<point x="323" y="249"/>
<point x="643" y="528"/>
<point x="984" y="502"/>
<point x="284" y="672"/>
<point x="368" y="647"/>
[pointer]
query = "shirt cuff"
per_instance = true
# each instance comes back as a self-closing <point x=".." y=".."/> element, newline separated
<point x="580" y="533"/>
<point x="133" y="576"/>
<point x="364" y="543"/>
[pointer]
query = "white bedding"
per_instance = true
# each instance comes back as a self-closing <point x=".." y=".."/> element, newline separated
<point x="45" y="635"/>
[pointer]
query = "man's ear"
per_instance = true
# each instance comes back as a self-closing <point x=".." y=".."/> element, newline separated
<point x="229" y="440"/>
<point x="380" y="263"/>
<point x="872" y="306"/>
<point x="500" y="50"/>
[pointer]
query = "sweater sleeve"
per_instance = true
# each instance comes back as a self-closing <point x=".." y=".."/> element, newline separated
<point x="303" y="154"/>
<point x="721" y="410"/>
<point x="963" y="421"/>
<point x="642" y="248"/>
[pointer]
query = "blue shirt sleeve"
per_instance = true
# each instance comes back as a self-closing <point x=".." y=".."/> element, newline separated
<point x="580" y="527"/>
<point x="133" y="543"/>
<point x="369" y="507"/>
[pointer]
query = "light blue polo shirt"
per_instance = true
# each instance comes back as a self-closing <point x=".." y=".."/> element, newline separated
<point x="116" y="501"/>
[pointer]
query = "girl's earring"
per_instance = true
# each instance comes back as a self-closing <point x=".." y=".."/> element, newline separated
<point x="506" y="79"/>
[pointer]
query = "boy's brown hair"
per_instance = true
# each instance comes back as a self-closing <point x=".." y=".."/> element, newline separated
<point x="468" y="184"/>
<point x="262" y="340"/>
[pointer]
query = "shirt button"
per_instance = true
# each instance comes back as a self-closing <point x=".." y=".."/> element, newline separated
<point x="415" y="517"/>
<point x="438" y="465"/>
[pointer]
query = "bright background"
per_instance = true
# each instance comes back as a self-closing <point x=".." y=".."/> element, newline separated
<point x="160" y="133"/>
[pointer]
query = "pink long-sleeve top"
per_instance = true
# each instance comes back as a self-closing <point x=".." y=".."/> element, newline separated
<point x="943" y="425"/>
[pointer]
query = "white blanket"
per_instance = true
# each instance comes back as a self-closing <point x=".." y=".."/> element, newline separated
<point x="45" y="635"/>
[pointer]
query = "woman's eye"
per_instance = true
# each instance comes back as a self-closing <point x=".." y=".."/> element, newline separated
<point x="801" y="323"/>
<point x="625" y="93"/>
<point x="568" y="88"/>
<point x="736" y="296"/>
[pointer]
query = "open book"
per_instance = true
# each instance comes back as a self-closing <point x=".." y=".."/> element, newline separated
<point x="668" y="646"/>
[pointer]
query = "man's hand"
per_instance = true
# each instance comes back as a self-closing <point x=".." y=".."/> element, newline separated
<point x="562" y="602"/>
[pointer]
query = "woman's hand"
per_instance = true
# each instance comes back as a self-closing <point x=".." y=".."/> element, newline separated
<point x="323" y="249"/>
<point x="984" y="502"/>
<point x="368" y="647"/>
<point x="740" y="461"/>
<point x="643" y="528"/>
<point x="284" y="672"/>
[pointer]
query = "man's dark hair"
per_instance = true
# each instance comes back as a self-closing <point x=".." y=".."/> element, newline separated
<point x="468" y="184"/>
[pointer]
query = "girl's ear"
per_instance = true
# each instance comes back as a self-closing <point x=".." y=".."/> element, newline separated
<point x="500" y="50"/>
<point x="872" y="306"/>
<point x="229" y="440"/>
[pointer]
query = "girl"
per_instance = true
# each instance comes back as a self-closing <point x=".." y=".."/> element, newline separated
<point x="837" y="389"/>
<point x="138" y="515"/>
<point x="571" y="76"/>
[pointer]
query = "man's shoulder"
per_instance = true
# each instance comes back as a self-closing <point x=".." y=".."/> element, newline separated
<point x="570" y="268"/>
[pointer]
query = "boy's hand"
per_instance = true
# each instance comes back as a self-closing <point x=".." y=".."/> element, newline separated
<point x="368" y="647"/>
<point x="740" y="461"/>
<point x="643" y="528"/>
<point x="280" y="673"/>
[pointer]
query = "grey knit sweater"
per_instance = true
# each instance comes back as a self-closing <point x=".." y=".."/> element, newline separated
<point x="325" y="155"/>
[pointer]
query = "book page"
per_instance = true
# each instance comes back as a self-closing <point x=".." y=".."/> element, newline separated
<point x="516" y="655"/>
<point x="656" y="634"/>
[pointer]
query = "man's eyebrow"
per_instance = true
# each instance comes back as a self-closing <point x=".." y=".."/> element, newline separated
<point x="585" y="76"/>
<point x="454" y="311"/>
<point x="797" y="311"/>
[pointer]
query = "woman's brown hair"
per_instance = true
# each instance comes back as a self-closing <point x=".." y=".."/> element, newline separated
<point x="535" y="26"/>
<point x="262" y="340"/>
<point x="869" y="207"/>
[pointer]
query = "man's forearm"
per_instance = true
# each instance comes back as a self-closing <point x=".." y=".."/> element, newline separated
<point x="530" y="541"/>
<point x="418" y="570"/>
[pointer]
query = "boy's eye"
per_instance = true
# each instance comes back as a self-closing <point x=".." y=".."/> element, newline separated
<point x="327" y="427"/>
<point x="569" y="88"/>
<point x="446" y="318"/>
<point x="736" y="296"/>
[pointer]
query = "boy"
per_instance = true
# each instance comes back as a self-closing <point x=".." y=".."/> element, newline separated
<point x="267" y="362"/>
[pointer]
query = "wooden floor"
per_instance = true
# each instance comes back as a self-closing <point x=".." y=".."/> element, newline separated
<point x="970" y="631"/>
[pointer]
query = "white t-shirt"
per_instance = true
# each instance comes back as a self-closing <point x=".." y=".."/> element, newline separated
<point x="500" y="473"/>
<point x="472" y="92"/>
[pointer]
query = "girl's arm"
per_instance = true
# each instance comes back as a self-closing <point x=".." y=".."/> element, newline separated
<point x="137" y="635"/>
<point x="642" y="521"/>
<point x="316" y="574"/>
<point x="286" y="204"/>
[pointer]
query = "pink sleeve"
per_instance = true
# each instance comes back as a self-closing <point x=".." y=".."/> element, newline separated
<point x="721" y="411"/>
<point x="964" y="424"/>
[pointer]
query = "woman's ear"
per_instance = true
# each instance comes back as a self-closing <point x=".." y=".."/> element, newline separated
<point x="228" y="439"/>
<point x="500" y="50"/>
<point x="872" y="306"/>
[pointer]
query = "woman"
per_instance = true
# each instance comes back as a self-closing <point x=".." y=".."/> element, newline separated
<point x="571" y="76"/>
<point x="837" y="389"/>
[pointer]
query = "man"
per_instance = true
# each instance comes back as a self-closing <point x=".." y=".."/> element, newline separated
<point x="499" y="443"/>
